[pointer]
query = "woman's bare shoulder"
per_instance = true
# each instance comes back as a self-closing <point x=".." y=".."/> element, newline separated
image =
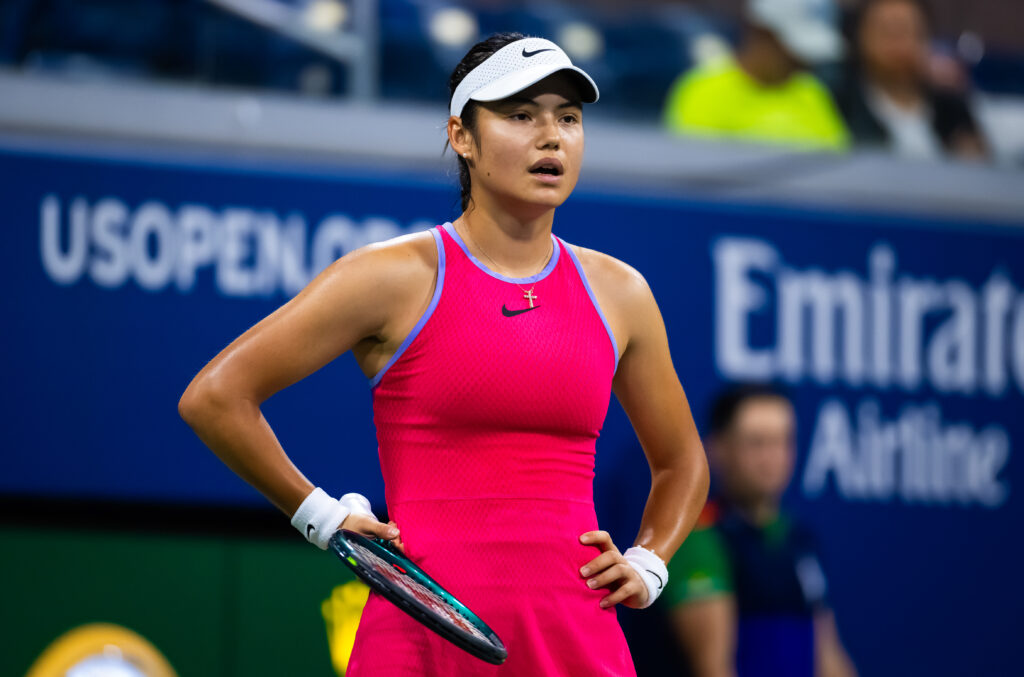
<point x="613" y="275"/>
<point x="411" y="248"/>
<point x="390" y="266"/>
<point x="379" y="279"/>
<point x="373" y="289"/>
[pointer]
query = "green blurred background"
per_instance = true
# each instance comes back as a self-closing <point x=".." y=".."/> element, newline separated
<point x="212" y="605"/>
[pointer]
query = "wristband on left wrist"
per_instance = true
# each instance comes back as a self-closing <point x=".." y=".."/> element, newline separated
<point x="652" y="570"/>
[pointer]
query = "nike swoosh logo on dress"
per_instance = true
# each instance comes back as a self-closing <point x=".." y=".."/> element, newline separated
<point x="512" y="313"/>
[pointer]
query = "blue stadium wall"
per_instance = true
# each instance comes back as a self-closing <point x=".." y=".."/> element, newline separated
<point x="902" y="340"/>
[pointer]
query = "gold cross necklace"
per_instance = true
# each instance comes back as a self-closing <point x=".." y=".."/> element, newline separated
<point x="527" y="293"/>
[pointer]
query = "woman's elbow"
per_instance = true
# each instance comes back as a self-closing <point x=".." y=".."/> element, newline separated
<point x="203" y="398"/>
<point x="691" y="468"/>
<point x="705" y="477"/>
<point x="190" y="403"/>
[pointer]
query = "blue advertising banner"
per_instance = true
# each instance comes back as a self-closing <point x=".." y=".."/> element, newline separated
<point x="902" y="341"/>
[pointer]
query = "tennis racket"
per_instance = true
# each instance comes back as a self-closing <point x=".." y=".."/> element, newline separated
<point x="385" y="569"/>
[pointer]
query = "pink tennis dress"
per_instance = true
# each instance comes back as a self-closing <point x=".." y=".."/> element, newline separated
<point x="487" y="417"/>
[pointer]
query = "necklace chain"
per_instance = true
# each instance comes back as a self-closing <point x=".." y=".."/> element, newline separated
<point x="527" y="294"/>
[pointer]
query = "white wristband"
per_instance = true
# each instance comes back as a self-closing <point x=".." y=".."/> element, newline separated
<point x="319" y="515"/>
<point x="651" y="569"/>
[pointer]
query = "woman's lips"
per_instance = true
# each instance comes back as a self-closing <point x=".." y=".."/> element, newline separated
<point x="547" y="170"/>
<point x="547" y="178"/>
<point x="551" y="164"/>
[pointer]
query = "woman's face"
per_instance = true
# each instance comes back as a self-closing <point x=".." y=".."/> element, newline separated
<point x="528" y="147"/>
<point x="894" y="41"/>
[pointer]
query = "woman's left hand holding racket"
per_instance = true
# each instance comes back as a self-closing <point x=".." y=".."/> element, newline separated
<point x="372" y="527"/>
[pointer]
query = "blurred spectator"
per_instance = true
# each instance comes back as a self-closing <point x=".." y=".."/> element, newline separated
<point x="899" y="95"/>
<point x="765" y="92"/>
<point x="746" y="593"/>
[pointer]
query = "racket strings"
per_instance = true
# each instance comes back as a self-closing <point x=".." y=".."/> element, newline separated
<point x="420" y="592"/>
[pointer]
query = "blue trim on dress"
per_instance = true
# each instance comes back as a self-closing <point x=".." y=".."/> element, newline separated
<point x="426" y="314"/>
<point x="593" y="299"/>
<point x="514" y="280"/>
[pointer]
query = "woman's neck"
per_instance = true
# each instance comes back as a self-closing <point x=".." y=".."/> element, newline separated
<point x="520" y="246"/>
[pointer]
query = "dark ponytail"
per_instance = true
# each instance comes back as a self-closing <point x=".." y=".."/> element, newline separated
<point x="477" y="54"/>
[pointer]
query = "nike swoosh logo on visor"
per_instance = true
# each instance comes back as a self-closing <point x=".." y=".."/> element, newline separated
<point x="535" y="52"/>
<point x="512" y="313"/>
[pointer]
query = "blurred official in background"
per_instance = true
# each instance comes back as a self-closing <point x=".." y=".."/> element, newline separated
<point x="746" y="593"/>
<point x="766" y="92"/>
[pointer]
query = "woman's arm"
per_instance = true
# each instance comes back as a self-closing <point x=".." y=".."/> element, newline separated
<point x="362" y="301"/>
<point x="651" y="395"/>
<point x="649" y="391"/>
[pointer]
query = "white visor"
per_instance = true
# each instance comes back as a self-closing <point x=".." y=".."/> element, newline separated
<point x="515" y="67"/>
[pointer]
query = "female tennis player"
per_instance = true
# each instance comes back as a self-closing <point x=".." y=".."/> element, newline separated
<point x="492" y="348"/>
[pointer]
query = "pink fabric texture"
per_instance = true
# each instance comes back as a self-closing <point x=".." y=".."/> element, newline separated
<point x="486" y="426"/>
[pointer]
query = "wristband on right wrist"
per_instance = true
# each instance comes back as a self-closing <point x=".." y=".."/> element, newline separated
<point x="319" y="515"/>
